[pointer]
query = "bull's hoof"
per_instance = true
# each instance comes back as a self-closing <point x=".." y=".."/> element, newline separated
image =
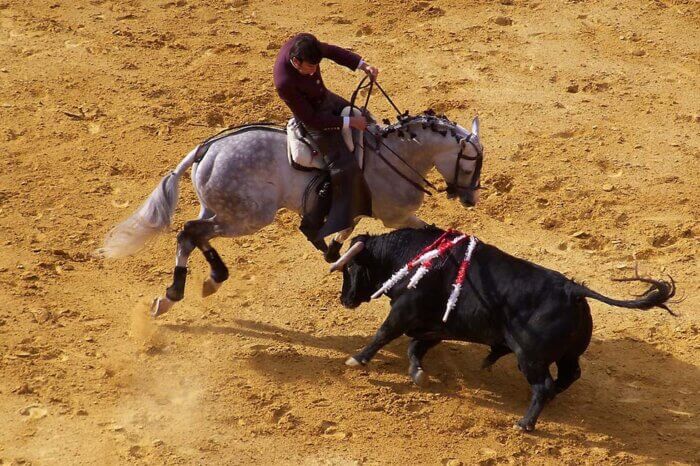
<point x="420" y="378"/>
<point x="352" y="362"/>
<point x="210" y="286"/>
<point x="160" y="306"/>
<point x="523" y="426"/>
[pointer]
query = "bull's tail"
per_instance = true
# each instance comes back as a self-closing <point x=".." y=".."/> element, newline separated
<point x="657" y="295"/>
<point x="153" y="217"/>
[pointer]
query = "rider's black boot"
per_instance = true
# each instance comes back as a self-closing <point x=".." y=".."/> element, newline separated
<point x="313" y="219"/>
<point x="351" y="195"/>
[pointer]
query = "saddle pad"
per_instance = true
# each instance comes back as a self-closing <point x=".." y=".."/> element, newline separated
<point x="302" y="151"/>
<point x="352" y="135"/>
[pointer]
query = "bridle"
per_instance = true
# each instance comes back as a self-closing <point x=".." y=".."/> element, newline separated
<point x="452" y="188"/>
<point x="378" y="141"/>
<point x="475" y="184"/>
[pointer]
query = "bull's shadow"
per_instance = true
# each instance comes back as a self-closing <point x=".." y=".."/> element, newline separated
<point x="641" y="396"/>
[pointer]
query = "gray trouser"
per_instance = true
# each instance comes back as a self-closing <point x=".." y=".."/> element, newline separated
<point x="351" y="196"/>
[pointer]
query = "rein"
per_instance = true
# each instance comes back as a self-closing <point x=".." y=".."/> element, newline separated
<point x="378" y="140"/>
<point x="454" y="186"/>
<point x="416" y="185"/>
<point x="371" y="84"/>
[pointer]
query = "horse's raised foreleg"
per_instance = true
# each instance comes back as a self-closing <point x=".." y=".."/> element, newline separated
<point x="195" y="233"/>
<point x="333" y="253"/>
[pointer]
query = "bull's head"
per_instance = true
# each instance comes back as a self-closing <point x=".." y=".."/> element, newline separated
<point x="357" y="280"/>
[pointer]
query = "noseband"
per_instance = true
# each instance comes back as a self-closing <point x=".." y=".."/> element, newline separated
<point x="454" y="187"/>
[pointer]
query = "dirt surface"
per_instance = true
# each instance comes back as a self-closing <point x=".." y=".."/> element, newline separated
<point x="590" y="118"/>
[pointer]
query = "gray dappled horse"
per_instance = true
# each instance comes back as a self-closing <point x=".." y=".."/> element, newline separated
<point x="245" y="178"/>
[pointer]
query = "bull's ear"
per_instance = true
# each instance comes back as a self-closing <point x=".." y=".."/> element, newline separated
<point x="361" y="238"/>
<point x="475" y="126"/>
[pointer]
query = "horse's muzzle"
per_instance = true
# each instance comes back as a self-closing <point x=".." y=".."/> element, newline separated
<point x="467" y="196"/>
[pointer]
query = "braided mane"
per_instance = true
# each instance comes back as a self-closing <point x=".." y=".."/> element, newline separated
<point x="427" y="119"/>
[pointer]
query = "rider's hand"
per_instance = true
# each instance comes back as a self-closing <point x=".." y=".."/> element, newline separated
<point x="358" y="122"/>
<point x="371" y="71"/>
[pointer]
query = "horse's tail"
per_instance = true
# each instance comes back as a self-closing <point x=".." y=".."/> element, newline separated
<point x="153" y="217"/>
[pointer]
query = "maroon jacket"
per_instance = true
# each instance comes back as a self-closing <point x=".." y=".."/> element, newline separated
<point x="304" y="94"/>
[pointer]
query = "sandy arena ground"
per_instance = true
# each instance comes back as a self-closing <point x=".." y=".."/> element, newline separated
<point x="591" y="122"/>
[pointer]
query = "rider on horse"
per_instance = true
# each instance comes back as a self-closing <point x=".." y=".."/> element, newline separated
<point x="297" y="78"/>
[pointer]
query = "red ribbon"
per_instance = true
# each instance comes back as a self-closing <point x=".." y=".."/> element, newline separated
<point x="442" y="244"/>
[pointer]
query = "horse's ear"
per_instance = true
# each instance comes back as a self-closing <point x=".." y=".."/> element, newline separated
<point x="475" y="126"/>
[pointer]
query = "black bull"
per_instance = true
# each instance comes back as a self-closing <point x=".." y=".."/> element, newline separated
<point x="510" y="304"/>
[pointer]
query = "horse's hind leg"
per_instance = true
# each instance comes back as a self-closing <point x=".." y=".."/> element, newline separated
<point x="219" y="271"/>
<point x="195" y="233"/>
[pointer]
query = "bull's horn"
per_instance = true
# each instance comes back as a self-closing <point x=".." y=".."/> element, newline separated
<point x="352" y="252"/>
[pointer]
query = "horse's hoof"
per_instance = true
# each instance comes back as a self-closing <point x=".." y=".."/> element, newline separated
<point x="209" y="287"/>
<point x="160" y="306"/>
<point x="352" y="362"/>
<point x="420" y="378"/>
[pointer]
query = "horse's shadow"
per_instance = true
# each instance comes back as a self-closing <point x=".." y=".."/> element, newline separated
<point x="641" y="398"/>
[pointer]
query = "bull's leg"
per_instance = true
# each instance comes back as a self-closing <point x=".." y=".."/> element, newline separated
<point x="497" y="352"/>
<point x="405" y="314"/>
<point x="386" y="333"/>
<point x="333" y="252"/>
<point x="542" y="385"/>
<point x="416" y="351"/>
<point x="569" y="372"/>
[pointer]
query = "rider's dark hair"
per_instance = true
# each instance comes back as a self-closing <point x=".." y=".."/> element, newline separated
<point x="306" y="48"/>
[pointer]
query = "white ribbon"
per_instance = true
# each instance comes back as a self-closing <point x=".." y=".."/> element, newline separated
<point x="457" y="287"/>
<point x="420" y="273"/>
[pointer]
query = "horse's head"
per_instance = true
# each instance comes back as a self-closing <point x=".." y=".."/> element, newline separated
<point x="454" y="151"/>
<point x="460" y="163"/>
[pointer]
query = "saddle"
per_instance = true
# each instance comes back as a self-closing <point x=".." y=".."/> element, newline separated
<point x="304" y="154"/>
